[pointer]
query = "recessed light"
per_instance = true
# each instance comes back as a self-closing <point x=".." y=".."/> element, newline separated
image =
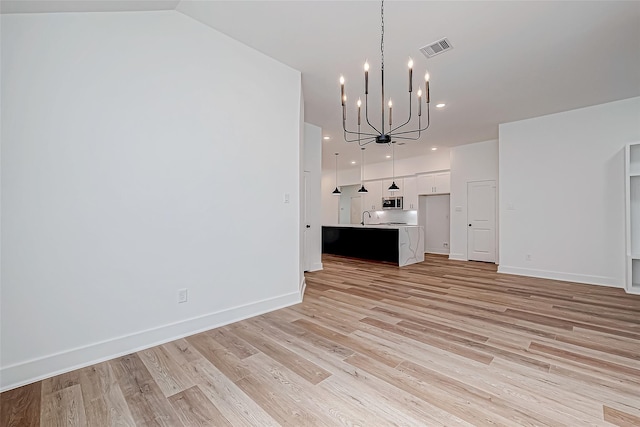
<point x="388" y="156"/>
<point x="434" y="148"/>
<point x="353" y="162"/>
<point x="440" y="105"/>
<point x="326" y="138"/>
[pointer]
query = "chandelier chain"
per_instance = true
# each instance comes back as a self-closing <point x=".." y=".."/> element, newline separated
<point x="382" y="33"/>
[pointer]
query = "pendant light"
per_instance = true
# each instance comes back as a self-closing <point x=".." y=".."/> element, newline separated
<point x="393" y="186"/>
<point x="336" y="192"/>
<point x="362" y="189"/>
<point x="378" y="133"/>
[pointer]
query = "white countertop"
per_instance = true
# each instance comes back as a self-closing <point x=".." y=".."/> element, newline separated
<point x="388" y="226"/>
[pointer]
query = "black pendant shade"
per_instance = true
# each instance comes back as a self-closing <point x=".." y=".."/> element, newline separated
<point x="336" y="192"/>
<point x="363" y="190"/>
<point x="393" y="187"/>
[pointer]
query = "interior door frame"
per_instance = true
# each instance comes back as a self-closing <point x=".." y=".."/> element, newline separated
<point x="495" y="219"/>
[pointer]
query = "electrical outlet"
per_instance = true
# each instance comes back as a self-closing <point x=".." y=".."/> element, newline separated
<point x="182" y="295"/>
<point x="527" y="257"/>
<point x="445" y="245"/>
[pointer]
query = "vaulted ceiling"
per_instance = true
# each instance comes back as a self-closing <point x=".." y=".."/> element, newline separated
<point x="510" y="60"/>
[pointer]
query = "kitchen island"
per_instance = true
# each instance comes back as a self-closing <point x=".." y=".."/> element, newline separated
<point x="400" y="244"/>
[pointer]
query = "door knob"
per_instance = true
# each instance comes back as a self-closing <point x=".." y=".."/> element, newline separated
<point x="469" y="225"/>
<point x="308" y="226"/>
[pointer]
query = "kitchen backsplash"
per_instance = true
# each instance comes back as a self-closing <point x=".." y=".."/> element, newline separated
<point x="397" y="216"/>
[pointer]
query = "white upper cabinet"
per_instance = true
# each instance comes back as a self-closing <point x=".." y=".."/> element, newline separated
<point x="443" y="182"/>
<point x="410" y="194"/>
<point x="372" y="199"/>
<point x="434" y="183"/>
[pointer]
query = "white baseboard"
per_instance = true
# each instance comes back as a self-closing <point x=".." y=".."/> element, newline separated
<point x="634" y="290"/>
<point x="458" y="257"/>
<point x="29" y="371"/>
<point x="316" y="266"/>
<point x="303" y="286"/>
<point x="565" y="277"/>
<point x="437" y="251"/>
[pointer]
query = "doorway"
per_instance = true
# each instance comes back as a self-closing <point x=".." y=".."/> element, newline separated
<point x="481" y="217"/>
<point x="433" y="216"/>
<point x="356" y="210"/>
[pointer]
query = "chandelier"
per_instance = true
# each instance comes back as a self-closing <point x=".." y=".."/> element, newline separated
<point x="380" y="135"/>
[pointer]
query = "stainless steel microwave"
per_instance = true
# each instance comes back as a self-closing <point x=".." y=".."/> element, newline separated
<point x="392" y="202"/>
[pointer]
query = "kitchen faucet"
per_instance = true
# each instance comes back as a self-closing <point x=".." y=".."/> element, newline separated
<point x="365" y="212"/>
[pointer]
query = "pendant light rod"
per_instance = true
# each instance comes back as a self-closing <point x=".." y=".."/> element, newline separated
<point x="362" y="189"/>
<point x="336" y="192"/>
<point x="393" y="186"/>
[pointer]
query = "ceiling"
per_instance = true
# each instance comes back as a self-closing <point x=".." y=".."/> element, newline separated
<point x="510" y="60"/>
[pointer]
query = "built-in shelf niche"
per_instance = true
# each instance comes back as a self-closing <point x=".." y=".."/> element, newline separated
<point x="632" y="199"/>
<point x="634" y="159"/>
<point x="635" y="274"/>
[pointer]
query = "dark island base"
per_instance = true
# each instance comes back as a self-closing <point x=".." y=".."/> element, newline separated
<point x="376" y="244"/>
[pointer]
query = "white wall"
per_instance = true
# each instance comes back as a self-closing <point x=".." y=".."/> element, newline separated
<point x="313" y="213"/>
<point x="435" y="161"/>
<point x="562" y="193"/>
<point x="471" y="162"/>
<point x="127" y="140"/>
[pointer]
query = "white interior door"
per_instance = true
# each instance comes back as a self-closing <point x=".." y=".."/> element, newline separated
<point x="481" y="216"/>
<point x="306" y="240"/>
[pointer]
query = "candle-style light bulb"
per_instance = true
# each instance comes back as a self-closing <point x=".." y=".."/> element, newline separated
<point x="426" y="84"/>
<point x="366" y="78"/>
<point x="419" y="102"/>
<point x="390" y="111"/>
<point x="342" y="97"/>
<point x="410" y="75"/>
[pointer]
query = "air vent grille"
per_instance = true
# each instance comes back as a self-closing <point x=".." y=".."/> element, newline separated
<point x="436" y="48"/>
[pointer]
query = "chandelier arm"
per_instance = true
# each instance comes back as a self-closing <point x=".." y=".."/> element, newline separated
<point x="405" y="123"/>
<point x="369" y="137"/>
<point x="363" y="143"/>
<point x="366" y="113"/>
<point x="417" y="130"/>
<point x="405" y="137"/>
<point x="344" y="128"/>
<point x="350" y="132"/>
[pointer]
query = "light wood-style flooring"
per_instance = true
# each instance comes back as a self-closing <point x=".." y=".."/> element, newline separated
<point x="440" y="343"/>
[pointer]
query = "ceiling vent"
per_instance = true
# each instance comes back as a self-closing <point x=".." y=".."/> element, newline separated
<point x="436" y="48"/>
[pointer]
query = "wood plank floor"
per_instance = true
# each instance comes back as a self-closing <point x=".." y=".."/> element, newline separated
<point x="440" y="343"/>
